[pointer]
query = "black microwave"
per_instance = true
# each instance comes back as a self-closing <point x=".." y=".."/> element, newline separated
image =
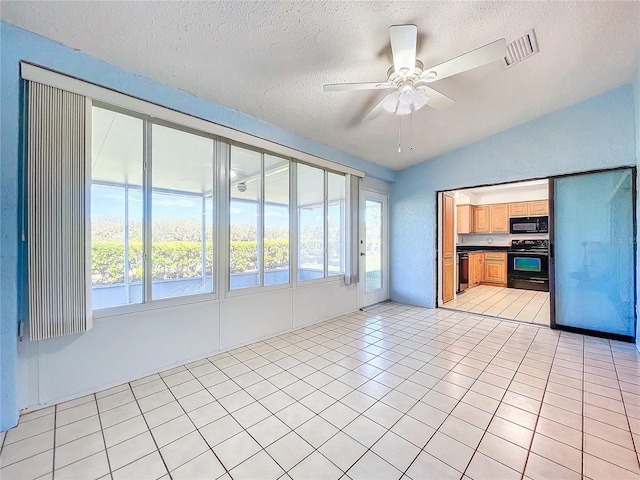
<point x="529" y="224"/>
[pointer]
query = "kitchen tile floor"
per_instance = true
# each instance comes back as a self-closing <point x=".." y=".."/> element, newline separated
<point x="512" y="303"/>
<point x="397" y="392"/>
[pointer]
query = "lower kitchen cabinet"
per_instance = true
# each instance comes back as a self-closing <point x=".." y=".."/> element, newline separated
<point x="447" y="279"/>
<point x="495" y="268"/>
<point x="476" y="269"/>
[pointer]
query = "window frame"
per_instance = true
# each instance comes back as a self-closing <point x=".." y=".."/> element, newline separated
<point x="344" y="227"/>
<point x="229" y="292"/>
<point x="221" y="162"/>
<point x="148" y="303"/>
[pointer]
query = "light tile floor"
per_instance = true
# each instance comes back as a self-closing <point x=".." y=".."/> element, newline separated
<point x="523" y="305"/>
<point x="397" y="392"/>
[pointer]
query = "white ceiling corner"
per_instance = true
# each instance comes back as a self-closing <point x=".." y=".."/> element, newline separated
<point x="271" y="59"/>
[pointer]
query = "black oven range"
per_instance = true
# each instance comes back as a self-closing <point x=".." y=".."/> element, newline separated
<point x="528" y="265"/>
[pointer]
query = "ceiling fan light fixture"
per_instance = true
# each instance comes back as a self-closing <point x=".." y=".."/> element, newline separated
<point x="390" y="102"/>
<point x="405" y="100"/>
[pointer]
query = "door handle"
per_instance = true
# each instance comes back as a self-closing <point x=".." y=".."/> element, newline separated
<point x="362" y="254"/>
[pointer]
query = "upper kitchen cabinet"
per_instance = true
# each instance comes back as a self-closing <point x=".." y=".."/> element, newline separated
<point x="500" y="218"/>
<point x="482" y="219"/>
<point x="540" y="207"/>
<point x="529" y="209"/>
<point x="520" y="209"/>
<point x="465" y="218"/>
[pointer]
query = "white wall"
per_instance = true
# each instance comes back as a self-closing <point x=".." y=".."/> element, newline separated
<point x="129" y="346"/>
<point x="510" y="195"/>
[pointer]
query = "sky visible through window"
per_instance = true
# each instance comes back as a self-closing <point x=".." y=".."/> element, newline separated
<point x="184" y="208"/>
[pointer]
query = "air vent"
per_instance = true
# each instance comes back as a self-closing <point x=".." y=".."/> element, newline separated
<point x="521" y="48"/>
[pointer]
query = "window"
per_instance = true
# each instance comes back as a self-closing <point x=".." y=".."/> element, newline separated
<point x="181" y="213"/>
<point x="258" y="219"/>
<point x="153" y="214"/>
<point x="116" y="209"/>
<point x="178" y="222"/>
<point x="321" y="223"/>
<point x="276" y="220"/>
<point x="310" y="222"/>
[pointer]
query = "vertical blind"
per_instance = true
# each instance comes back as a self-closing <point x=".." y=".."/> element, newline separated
<point x="58" y="211"/>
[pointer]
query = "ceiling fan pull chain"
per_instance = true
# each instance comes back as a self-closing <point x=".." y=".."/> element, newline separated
<point x="411" y="129"/>
<point x="399" y="133"/>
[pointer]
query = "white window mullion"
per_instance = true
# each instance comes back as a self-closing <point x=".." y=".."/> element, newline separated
<point x="260" y="234"/>
<point x="147" y="274"/>
<point x="126" y="243"/>
<point x="326" y="224"/>
<point x="223" y="167"/>
<point x="293" y="223"/>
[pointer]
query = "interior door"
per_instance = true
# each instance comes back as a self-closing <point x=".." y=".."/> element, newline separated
<point x="593" y="252"/>
<point x="374" y="252"/>
<point x="448" y="248"/>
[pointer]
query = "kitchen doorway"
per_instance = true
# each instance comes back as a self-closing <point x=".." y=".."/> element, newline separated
<point x="559" y="252"/>
<point x="493" y="253"/>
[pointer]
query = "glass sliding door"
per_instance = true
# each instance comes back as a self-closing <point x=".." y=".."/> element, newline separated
<point x="594" y="252"/>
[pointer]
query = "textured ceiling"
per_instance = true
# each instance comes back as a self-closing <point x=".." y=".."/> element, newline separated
<point x="270" y="60"/>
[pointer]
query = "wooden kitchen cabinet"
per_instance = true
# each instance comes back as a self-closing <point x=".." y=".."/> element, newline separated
<point x="520" y="209"/>
<point x="447" y="279"/>
<point x="482" y="219"/>
<point x="465" y="218"/>
<point x="529" y="209"/>
<point x="495" y="268"/>
<point x="448" y="248"/>
<point x="540" y="207"/>
<point x="476" y="269"/>
<point x="500" y="218"/>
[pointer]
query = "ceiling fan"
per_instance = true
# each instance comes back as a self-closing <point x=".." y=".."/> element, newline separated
<point x="409" y="79"/>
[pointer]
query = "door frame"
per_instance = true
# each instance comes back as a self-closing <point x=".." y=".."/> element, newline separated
<point x="552" y="263"/>
<point x="382" y="294"/>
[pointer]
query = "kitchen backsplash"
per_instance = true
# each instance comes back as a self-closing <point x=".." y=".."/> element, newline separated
<point x="497" y="239"/>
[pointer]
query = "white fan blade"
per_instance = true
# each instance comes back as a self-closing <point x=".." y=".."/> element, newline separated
<point x="375" y="111"/>
<point x="470" y="60"/>
<point x="437" y="100"/>
<point x="403" y="46"/>
<point x="343" y="87"/>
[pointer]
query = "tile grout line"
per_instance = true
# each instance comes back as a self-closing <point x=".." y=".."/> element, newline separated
<point x="194" y="425"/>
<point x="55" y="435"/>
<point x="152" y="437"/>
<point x="416" y="402"/>
<point x="535" y="426"/>
<point x="368" y="449"/>
<point x="104" y="441"/>
<point x="500" y="402"/>
<point x="624" y="404"/>
<point x="460" y="401"/>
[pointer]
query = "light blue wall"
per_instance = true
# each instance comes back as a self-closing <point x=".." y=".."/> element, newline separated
<point x="595" y="134"/>
<point x="18" y="44"/>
